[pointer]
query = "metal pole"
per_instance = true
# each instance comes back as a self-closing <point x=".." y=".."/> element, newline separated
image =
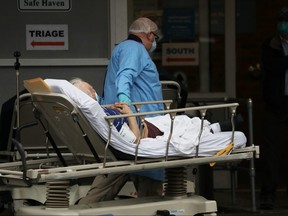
<point x="252" y="165"/>
<point x="17" y="66"/>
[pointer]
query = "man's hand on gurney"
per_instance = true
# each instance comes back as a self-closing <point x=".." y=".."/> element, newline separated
<point x="124" y="108"/>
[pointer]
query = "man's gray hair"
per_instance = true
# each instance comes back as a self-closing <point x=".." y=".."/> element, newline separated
<point x="76" y="81"/>
<point x="143" y="24"/>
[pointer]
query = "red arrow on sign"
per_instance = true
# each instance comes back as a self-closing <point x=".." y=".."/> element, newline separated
<point x="180" y="59"/>
<point x="47" y="43"/>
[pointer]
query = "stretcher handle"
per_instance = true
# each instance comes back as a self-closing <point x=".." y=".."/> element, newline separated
<point x="21" y="151"/>
<point x="172" y="83"/>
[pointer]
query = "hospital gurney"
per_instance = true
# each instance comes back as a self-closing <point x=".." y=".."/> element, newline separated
<point x="61" y="111"/>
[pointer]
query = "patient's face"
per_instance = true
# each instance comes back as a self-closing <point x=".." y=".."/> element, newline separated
<point x="88" y="89"/>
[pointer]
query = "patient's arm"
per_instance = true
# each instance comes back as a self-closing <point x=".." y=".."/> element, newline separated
<point x="123" y="108"/>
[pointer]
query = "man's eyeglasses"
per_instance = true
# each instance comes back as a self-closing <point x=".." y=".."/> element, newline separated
<point x="156" y="36"/>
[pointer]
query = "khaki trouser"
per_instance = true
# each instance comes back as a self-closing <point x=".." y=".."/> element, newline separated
<point x="106" y="187"/>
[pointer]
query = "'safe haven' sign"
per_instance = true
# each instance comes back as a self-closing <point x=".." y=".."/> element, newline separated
<point x="44" y="5"/>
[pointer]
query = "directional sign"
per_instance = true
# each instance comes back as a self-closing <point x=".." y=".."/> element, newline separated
<point x="180" y="54"/>
<point x="47" y="37"/>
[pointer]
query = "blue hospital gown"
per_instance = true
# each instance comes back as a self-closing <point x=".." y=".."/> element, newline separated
<point x="131" y="71"/>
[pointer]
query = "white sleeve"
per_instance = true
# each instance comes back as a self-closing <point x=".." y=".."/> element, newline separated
<point x="126" y="133"/>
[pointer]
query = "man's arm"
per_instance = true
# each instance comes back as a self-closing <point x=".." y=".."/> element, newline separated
<point x="123" y="108"/>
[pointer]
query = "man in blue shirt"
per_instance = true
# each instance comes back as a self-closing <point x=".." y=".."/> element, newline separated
<point x="131" y="73"/>
<point x="131" y="77"/>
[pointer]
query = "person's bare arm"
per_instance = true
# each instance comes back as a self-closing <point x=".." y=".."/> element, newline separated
<point x="123" y="108"/>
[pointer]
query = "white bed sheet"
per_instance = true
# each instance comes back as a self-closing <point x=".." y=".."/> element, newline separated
<point x="184" y="139"/>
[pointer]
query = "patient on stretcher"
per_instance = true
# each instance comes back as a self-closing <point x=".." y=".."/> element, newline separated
<point x="185" y="135"/>
<point x="128" y="127"/>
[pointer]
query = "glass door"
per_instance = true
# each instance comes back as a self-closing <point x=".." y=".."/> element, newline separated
<point x="197" y="43"/>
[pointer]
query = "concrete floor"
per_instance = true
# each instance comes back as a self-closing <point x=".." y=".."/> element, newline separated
<point x="243" y="203"/>
<point x="243" y="200"/>
<point x="242" y="207"/>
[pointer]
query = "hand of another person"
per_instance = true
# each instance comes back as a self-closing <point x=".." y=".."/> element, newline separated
<point x="123" y="108"/>
<point x="123" y="98"/>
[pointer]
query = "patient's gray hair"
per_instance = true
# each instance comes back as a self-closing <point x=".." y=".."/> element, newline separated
<point x="76" y="81"/>
<point x="143" y="24"/>
<point x="85" y="87"/>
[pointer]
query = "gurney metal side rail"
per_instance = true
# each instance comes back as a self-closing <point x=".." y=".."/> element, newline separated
<point x="82" y="171"/>
<point x="172" y="112"/>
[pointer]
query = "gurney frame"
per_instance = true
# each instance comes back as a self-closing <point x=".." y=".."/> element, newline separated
<point x="34" y="176"/>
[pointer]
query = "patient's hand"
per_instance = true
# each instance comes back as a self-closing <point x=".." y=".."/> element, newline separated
<point x="123" y="108"/>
